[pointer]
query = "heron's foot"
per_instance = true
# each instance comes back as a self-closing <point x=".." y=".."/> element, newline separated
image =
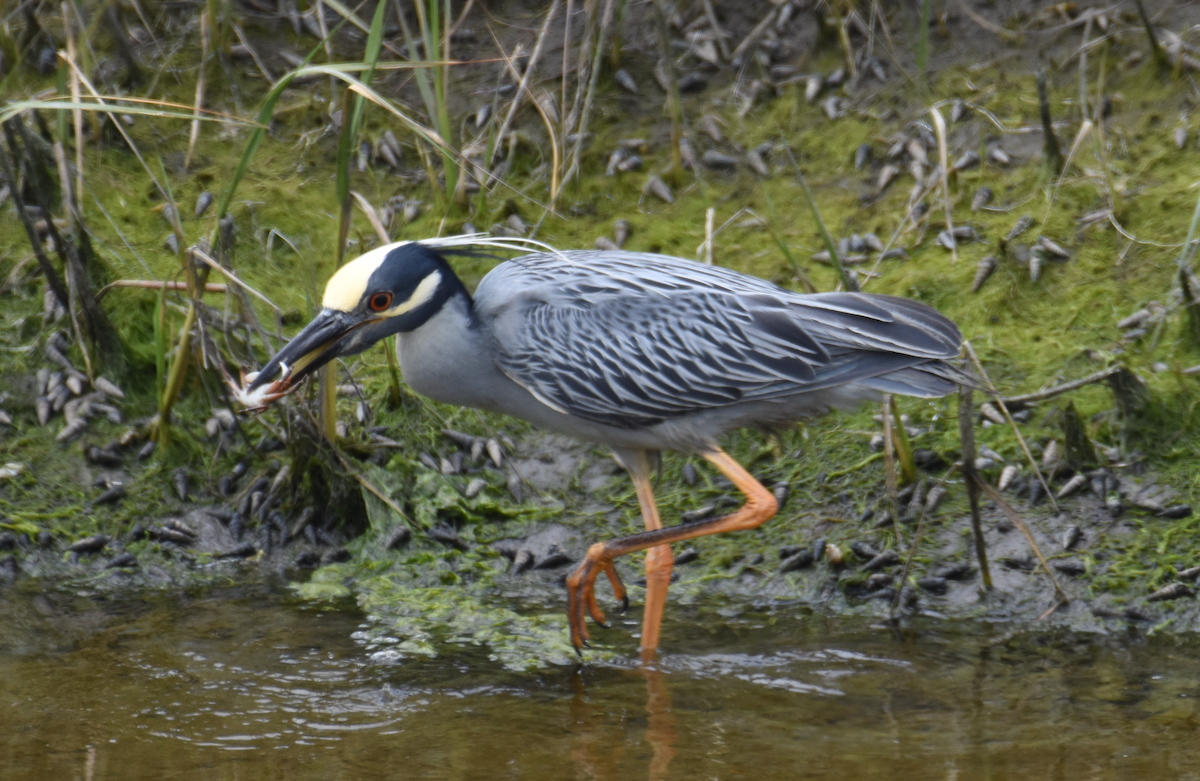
<point x="581" y="593"/>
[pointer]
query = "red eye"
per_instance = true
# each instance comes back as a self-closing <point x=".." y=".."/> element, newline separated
<point x="380" y="302"/>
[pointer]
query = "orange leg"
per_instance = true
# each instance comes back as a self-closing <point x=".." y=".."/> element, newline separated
<point x="659" y="563"/>
<point x="760" y="506"/>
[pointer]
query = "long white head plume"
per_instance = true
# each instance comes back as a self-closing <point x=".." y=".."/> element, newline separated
<point x="346" y="287"/>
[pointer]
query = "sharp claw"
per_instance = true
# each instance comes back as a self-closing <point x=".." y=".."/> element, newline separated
<point x="624" y="604"/>
<point x="586" y="644"/>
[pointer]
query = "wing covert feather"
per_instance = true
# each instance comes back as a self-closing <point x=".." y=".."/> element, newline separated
<point x="631" y="339"/>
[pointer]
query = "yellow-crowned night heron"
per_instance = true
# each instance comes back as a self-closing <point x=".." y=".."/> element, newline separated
<point x="638" y="352"/>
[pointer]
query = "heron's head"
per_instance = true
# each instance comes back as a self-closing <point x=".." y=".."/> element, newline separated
<point x="389" y="290"/>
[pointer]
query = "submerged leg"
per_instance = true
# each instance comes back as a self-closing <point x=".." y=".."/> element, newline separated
<point x="659" y="563"/>
<point x="759" y="507"/>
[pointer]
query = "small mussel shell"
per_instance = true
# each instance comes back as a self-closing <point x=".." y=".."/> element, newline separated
<point x="474" y="487"/>
<point x="755" y="160"/>
<point x="179" y="479"/>
<point x="659" y="189"/>
<point x="887" y="175"/>
<point x="626" y="81"/>
<point x="1037" y="261"/>
<point x="983" y="196"/>
<point x="621" y="231"/>
<point x="1071" y="486"/>
<point x="112" y="495"/>
<point x="864" y="550"/>
<point x="799" y="560"/>
<point x="813" y="87"/>
<point x="880" y="580"/>
<point x="1071" y="567"/>
<point x="862" y="156"/>
<point x="884" y="559"/>
<point x="718" y="160"/>
<point x="959" y="571"/>
<point x="969" y="160"/>
<point x="125" y="560"/>
<point x="203" y="202"/>
<point x="242" y="551"/>
<point x="91" y="544"/>
<point x="522" y="560"/>
<point x="1171" y="591"/>
<point x="934" y="585"/>
<point x="1053" y="249"/>
<point x="448" y="537"/>
<point x="983" y="271"/>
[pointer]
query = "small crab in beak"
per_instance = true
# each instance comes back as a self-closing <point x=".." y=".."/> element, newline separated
<point x="258" y="398"/>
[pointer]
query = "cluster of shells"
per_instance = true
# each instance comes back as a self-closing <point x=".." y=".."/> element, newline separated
<point x="1032" y="257"/>
<point x="64" y="390"/>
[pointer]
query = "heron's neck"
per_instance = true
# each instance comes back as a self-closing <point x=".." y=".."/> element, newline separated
<point x="448" y="358"/>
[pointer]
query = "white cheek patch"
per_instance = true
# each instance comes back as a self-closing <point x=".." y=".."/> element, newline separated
<point x="421" y="295"/>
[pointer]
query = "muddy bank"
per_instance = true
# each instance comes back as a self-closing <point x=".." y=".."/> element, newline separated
<point x="860" y="130"/>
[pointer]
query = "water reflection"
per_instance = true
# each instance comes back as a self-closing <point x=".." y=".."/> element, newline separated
<point x="249" y="684"/>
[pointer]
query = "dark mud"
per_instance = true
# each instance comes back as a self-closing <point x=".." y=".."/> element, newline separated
<point x="429" y="595"/>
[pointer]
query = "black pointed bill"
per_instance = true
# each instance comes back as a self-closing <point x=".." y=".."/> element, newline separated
<point x="312" y="348"/>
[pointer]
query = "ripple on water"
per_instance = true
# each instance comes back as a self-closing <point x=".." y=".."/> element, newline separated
<point x="167" y="689"/>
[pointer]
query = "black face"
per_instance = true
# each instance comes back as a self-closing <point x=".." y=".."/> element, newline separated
<point x="366" y="300"/>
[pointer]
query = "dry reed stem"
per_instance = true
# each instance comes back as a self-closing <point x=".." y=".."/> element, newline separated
<point x="523" y="90"/>
<point x="52" y="279"/>
<point x="1012" y="423"/>
<point x="124" y="135"/>
<point x="372" y="216"/>
<point x="148" y="284"/>
<point x="721" y="35"/>
<point x="75" y="275"/>
<point x="1019" y="522"/>
<point x="76" y="114"/>
<point x="237" y="30"/>
<point x="709" y="214"/>
<point x="916" y="543"/>
<point x="753" y="36"/>
<point x="204" y="257"/>
<point x="606" y="24"/>
<point x="889" y="464"/>
<point x="966" y="434"/>
<point x="939" y="127"/>
<point x="1050" y="393"/>
<point x="566" y="64"/>
<point x="205" y="42"/>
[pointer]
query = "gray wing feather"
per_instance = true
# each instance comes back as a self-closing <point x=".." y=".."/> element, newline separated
<point x="631" y="339"/>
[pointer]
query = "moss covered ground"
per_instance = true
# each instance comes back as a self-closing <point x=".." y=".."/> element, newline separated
<point x="1028" y="334"/>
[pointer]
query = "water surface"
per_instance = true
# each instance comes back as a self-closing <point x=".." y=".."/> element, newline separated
<point x="249" y="683"/>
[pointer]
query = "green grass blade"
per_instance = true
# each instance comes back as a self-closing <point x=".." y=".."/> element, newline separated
<point x="923" y="44"/>
<point x="798" y="272"/>
<point x="847" y="282"/>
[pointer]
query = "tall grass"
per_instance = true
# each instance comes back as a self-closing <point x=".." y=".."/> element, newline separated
<point x="173" y="358"/>
<point x="923" y="45"/>
<point x="432" y="21"/>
